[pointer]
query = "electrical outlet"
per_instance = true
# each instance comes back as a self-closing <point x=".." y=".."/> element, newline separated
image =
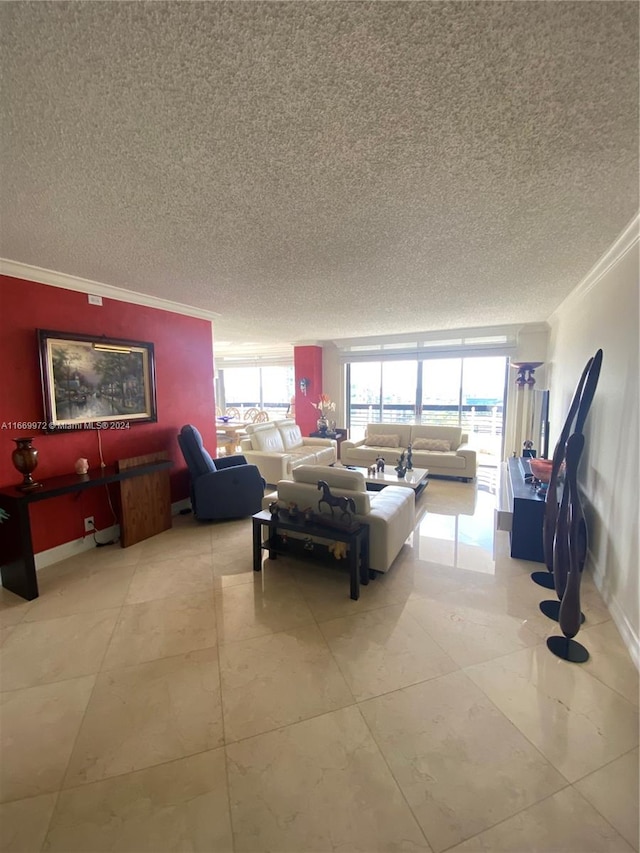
<point x="89" y="525"/>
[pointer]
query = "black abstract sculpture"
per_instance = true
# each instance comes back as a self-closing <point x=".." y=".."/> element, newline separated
<point x="569" y="616"/>
<point x="578" y="411"/>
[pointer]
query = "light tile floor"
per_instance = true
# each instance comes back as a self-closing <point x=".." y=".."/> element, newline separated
<point x="165" y="697"/>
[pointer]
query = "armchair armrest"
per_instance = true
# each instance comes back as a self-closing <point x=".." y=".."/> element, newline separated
<point x="229" y="462"/>
<point x="347" y="444"/>
<point x="229" y="493"/>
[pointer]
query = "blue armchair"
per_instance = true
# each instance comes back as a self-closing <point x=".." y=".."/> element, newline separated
<point x="221" y="488"/>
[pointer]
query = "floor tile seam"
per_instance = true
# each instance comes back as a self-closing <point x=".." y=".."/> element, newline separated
<point x="593" y="805"/>
<point x="285" y="631"/>
<point x="224" y="751"/>
<point x="154" y="660"/>
<point x="68" y="615"/>
<point x="605" y="765"/>
<point x="515" y="728"/>
<point x="222" y="642"/>
<point x="512" y="722"/>
<point x="365" y="612"/>
<point x="120" y="775"/>
<point x="86" y="707"/>
<point x="597" y="810"/>
<point x="53" y="791"/>
<point x="50" y="821"/>
<point x="393" y="776"/>
<point x="407" y="686"/>
<point x="510" y="817"/>
<point x="362" y="612"/>
<point x="49" y="683"/>
<point x="152" y="561"/>
<point x="615" y="690"/>
<point x="345" y="676"/>
<point x="284" y="726"/>
<point x="170" y="595"/>
<point x="542" y="644"/>
<point x="26" y="610"/>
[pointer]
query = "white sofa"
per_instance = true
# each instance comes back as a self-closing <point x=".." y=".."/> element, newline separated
<point x="390" y="513"/>
<point x="277" y="447"/>
<point x="454" y="459"/>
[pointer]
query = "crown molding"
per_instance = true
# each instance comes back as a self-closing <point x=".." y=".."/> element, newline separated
<point x="623" y="244"/>
<point x="17" y="269"/>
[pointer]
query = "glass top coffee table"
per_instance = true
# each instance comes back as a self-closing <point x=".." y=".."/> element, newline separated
<point x="416" y="479"/>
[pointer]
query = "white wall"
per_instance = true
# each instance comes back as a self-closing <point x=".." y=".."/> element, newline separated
<point x="603" y="313"/>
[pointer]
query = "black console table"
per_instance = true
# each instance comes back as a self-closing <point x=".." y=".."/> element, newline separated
<point x="356" y="537"/>
<point x="17" y="560"/>
<point x="527" y="513"/>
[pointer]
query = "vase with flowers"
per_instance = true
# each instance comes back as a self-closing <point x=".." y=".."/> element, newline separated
<point x="324" y="406"/>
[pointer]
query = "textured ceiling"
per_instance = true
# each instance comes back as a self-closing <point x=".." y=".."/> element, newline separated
<point x="316" y="170"/>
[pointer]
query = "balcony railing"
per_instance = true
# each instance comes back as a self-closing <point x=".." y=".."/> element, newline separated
<point x="483" y="423"/>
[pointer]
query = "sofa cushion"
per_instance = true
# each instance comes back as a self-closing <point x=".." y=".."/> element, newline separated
<point x="340" y="477"/>
<point x="291" y="435"/>
<point x="431" y="444"/>
<point x="452" y="434"/>
<point x="323" y="455"/>
<point x="436" y="459"/>
<point x="267" y="439"/>
<point x="377" y="440"/>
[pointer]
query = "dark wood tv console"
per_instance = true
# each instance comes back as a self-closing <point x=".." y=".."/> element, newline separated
<point x="521" y="512"/>
<point x="17" y="559"/>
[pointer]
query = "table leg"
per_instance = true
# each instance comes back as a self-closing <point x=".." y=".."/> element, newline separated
<point x="257" y="545"/>
<point x="364" y="556"/>
<point x="354" y="569"/>
<point x="18" y="569"/>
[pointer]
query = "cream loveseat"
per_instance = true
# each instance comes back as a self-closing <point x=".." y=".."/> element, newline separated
<point x="277" y="447"/>
<point x="441" y="449"/>
<point x="390" y="513"/>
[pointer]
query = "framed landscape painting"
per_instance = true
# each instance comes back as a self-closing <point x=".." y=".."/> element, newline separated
<point x="91" y="382"/>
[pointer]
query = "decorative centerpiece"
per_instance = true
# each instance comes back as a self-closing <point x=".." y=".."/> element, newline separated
<point x="401" y="466"/>
<point x="324" y="405"/>
<point x="25" y="460"/>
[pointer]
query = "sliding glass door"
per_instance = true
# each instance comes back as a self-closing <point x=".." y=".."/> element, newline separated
<point x="468" y="392"/>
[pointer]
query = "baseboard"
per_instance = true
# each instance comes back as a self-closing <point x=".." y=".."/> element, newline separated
<point x="179" y="506"/>
<point x="78" y="546"/>
<point x="627" y="632"/>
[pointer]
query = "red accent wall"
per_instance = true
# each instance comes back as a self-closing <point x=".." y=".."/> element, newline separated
<point x="184" y="388"/>
<point x="307" y="363"/>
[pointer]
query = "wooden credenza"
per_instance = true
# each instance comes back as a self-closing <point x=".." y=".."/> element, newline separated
<point x="145" y="502"/>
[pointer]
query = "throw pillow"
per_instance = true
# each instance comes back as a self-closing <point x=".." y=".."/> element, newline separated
<point x="431" y="444"/>
<point x="383" y="440"/>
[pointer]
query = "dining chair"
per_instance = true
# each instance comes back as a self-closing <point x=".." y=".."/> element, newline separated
<point x="226" y="442"/>
<point x="261" y="418"/>
<point x="250" y="414"/>
<point x="232" y="412"/>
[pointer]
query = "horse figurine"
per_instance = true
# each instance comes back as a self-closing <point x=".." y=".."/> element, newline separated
<point x="343" y="503"/>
